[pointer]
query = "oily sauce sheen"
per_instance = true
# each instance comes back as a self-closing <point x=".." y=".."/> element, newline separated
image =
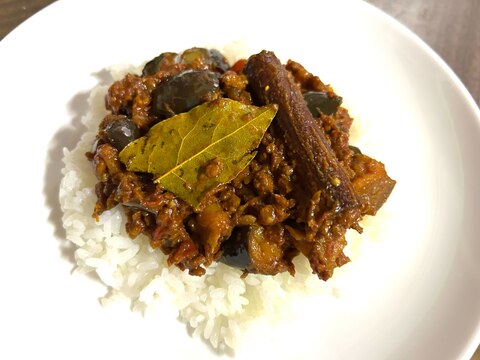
<point x="305" y="187"/>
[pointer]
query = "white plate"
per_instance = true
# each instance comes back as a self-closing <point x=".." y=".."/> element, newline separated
<point x="413" y="294"/>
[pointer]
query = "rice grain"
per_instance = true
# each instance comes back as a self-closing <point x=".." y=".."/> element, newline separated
<point x="217" y="306"/>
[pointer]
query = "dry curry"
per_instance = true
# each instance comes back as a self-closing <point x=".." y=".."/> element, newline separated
<point x="247" y="164"/>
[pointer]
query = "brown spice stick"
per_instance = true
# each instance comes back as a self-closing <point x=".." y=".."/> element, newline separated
<point x="269" y="83"/>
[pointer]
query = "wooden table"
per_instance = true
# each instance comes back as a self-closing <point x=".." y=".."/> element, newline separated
<point x="450" y="27"/>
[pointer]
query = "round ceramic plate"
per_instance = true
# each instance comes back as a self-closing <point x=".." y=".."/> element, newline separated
<point x="413" y="293"/>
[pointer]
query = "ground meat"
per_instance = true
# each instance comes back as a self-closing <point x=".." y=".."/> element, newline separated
<point x="263" y="214"/>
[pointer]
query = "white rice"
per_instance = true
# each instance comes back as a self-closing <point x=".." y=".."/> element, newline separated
<point x="218" y="306"/>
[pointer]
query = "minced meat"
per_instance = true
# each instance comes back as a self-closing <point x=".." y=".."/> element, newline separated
<point x="278" y="207"/>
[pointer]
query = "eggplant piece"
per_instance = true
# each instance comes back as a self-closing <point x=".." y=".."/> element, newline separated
<point x="371" y="182"/>
<point x="235" y="251"/>
<point x="306" y="141"/>
<point x="240" y="259"/>
<point x="117" y="130"/>
<point x="258" y="249"/>
<point x="211" y="59"/>
<point x="265" y="247"/>
<point x="121" y="132"/>
<point x="194" y="58"/>
<point x="219" y="62"/>
<point x="321" y="102"/>
<point x="355" y="149"/>
<point x="183" y="92"/>
<point x="164" y="60"/>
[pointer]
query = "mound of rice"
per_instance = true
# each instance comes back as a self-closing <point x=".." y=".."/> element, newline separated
<point x="217" y="306"/>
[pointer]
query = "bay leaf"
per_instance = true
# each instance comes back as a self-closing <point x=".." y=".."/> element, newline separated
<point x="221" y="134"/>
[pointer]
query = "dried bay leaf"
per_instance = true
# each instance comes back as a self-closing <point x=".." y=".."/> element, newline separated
<point x="193" y="152"/>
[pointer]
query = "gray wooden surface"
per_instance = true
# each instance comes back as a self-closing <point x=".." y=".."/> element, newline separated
<point x="450" y="27"/>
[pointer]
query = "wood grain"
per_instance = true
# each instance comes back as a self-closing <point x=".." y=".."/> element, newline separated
<point x="450" y="27"/>
<point x="14" y="12"/>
